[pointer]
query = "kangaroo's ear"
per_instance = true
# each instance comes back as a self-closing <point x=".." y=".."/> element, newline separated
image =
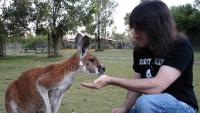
<point x="82" y="43"/>
<point x="78" y="39"/>
<point x="86" y="42"/>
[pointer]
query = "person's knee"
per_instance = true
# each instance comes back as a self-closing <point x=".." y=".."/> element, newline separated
<point x="145" y="102"/>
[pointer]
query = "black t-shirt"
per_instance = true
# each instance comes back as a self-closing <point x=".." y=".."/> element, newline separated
<point x="181" y="57"/>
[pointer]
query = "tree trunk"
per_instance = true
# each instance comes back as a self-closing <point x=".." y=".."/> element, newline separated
<point x="49" y="44"/>
<point x="98" y="33"/>
<point x="2" y="47"/>
<point x="98" y="39"/>
<point x="53" y="45"/>
<point x="55" y="42"/>
<point x="56" y="46"/>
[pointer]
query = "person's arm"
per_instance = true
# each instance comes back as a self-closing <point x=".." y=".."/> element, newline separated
<point x="131" y="96"/>
<point x="130" y="99"/>
<point x="164" y="78"/>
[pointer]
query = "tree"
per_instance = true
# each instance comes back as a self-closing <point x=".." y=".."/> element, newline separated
<point x="40" y="16"/>
<point x="3" y="35"/>
<point x="126" y="19"/>
<point x="103" y="17"/>
<point x="126" y="23"/>
<point x="53" y="17"/>
<point x="56" y="17"/>
<point x="14" y="21"/>
<point x="17" y="17"/>
<point x="89" y="18"/>
<point x="187" y="19"/>
<point x="63" y="16"/>
<point x="197" y="4"/>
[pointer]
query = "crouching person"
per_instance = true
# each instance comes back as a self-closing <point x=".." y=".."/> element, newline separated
<point x="163" y="64"/>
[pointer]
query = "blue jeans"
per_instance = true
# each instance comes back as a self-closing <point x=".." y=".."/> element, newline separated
<point x="160" y="103"/>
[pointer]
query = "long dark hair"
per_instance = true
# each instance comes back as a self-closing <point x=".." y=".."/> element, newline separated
<point x="154" y="18"/>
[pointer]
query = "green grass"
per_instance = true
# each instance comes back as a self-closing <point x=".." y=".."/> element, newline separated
<point x="79" y="99"/>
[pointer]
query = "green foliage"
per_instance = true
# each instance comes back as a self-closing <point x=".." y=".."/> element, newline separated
<point x="126" y="19"/>
<point x="88" y="18"/>
<point x="41" y="30"/>
<point x="16" y="17"/>
<point x="187" y="19"/>
<point x="104" y="15"/>
<point x="63" y="16"/>
<point x="32" y="41"/>
<point x="3" y="36"/>
<point x="56" y="17"/>
<point x="3" y="31"/>
<point x="66" y="15"/>
<point x="40" y="16"/>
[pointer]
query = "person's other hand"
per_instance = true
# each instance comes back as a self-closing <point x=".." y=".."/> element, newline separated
<point x="102" y="81"/>
<point x="119" y="110"/>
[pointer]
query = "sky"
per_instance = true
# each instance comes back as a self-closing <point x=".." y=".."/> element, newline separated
<point x="126" y="6"/>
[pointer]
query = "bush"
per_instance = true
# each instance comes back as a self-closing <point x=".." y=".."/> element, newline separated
<point x="35" y="41"/>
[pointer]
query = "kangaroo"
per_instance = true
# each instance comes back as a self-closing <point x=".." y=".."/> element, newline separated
<point x="40" y="90"/>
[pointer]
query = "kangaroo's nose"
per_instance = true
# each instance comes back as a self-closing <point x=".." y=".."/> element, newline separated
<point x="104" y="69"/>
<point x="101" y="69"/>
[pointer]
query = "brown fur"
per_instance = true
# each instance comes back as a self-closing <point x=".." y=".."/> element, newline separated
<point x="24" y="91"/>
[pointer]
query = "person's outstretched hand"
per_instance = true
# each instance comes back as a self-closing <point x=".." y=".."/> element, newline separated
<point x="102" y="81"/>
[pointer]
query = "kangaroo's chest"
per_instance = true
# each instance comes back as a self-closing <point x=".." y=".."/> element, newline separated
<point x="66" y="82"/>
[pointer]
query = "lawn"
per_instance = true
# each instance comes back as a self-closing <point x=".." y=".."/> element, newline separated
<point x="79" y="99"/>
